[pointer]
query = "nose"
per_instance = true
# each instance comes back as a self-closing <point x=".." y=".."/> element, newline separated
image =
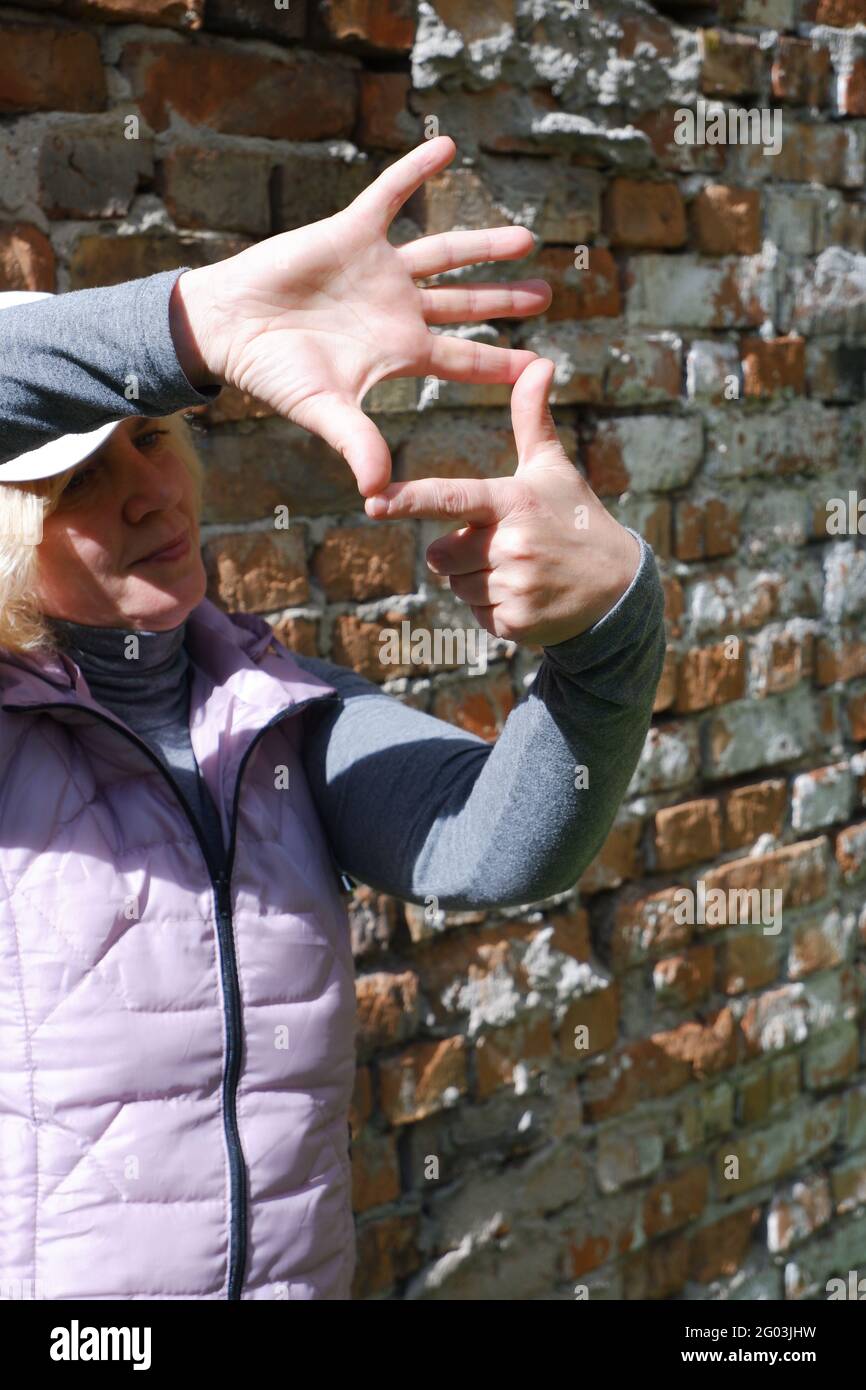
<point x="148" y="483"/>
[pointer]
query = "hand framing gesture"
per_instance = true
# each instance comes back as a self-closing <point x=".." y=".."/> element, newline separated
<point x="307" y="321"/>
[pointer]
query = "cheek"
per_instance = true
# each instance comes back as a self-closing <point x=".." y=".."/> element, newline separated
<point x="70" y="552"/>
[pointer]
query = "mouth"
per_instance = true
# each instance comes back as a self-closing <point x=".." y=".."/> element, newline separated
<point x="175" y="549"/>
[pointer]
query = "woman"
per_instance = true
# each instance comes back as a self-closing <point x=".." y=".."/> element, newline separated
<point x="181" y="792"/>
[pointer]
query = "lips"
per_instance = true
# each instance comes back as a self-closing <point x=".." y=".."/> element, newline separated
<point x="173" y="549"/>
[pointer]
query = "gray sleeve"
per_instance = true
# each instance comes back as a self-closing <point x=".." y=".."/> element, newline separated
<point x="76" y="361"/>
<point x="415" y="807"/>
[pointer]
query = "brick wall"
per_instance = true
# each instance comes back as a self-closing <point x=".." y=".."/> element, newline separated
<point x="710" y="345"/>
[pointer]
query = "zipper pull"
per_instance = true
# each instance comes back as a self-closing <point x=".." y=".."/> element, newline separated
<point x="347" y="883"/>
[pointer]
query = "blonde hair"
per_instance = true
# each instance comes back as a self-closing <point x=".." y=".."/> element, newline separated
<point x="23" y="508"/>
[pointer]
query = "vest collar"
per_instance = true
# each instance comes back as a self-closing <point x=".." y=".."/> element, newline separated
<point x="236" y="651"/>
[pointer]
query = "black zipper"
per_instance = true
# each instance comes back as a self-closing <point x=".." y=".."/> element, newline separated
<point x="221" y="886"/>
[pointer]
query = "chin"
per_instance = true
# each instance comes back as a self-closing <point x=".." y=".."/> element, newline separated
<point x="160" y="608"/>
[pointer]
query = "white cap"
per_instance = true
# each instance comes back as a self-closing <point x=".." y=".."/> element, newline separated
<point x="58" y="454"/>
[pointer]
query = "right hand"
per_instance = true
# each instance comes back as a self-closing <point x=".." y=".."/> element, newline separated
<point x="307" y="321"/>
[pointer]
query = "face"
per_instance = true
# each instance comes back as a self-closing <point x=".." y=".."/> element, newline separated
<point x="122" y="547"/>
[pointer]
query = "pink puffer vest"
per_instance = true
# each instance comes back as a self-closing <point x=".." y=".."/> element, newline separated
<point x="176" y="1055"/>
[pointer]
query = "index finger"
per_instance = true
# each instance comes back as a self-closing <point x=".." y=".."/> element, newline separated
<point x="473" y="501"/>
<point x="385" y="196"/>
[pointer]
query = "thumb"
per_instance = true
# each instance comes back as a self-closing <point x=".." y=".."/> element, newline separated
<point x="532" y="422"/>
<point x="352" y="433"/>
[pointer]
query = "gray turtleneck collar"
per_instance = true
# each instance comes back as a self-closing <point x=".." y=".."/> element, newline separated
<point x="143" y="677"/>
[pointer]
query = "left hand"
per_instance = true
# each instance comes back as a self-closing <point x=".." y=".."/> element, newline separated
<point x="522" y="560"/>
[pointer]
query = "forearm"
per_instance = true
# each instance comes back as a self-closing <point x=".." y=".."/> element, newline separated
<point x="416" y="808"/>
<point x="75" y="361"/>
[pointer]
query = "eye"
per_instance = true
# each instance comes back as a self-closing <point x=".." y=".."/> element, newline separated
<point x="80" y="478"/>
<point x="152" y="435"/>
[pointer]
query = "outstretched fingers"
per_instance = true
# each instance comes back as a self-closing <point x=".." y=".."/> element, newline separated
<point x="476" y="303"/>
<point x="461" y="359"/>
<point x="433" y="255"/>
<point x="384" y="197"/>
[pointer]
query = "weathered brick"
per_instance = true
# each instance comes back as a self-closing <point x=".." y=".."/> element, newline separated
<point x="644" y="453"/>
<point x="384" y="24"/>
<point x="686" y="292"/>
<point x="362" y="562"/>
<point x="527" y="1044"/>
<point x="46" y="68"/>
<point x="296" y="96"/>
<point x="386" y="1251"/>
<point x="705" y="530"/>
<point x="587" y="293"/>
<point x="386" y="121"/>
<point x="821" y="797"/>
<point x="755" y="810"/>
<point x="732" y="64"/>
<point x="110" y="260"/>
<point x="217" y="188"/>
<point x="726" y="221"/>
<point x="639" y="213"/>
<point x="675" y="1201"/>
<point x="747" y="961"/>
<point x="772" y="366"/>
<point x="90" y="171"/>
<point x="687" y="833"/>
<point x="795" y="1213"/>
<point x="27" y="260"/>
<point x="388" y="1008"/>
<point x="717" y="1250"/>
<point x="684" y="980"/>
<point x="422" y="1079"/>
<point x="308" y="185"/>
<point x="851" y="852"/>
<point x="799" y="872"/>
<point x="800" y="73"/>
<point x="375" y="1171"/>
<point x="766" y="1154"/>
<point x="708" y="676"/>
<point x="257" y="571"/>
<point x="480" y="705"/>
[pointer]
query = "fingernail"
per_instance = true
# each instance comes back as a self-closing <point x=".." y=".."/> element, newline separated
<point x="378" y="505"/>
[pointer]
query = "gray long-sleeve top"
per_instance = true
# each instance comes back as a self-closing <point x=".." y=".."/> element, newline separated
<point x="411" y="805"/>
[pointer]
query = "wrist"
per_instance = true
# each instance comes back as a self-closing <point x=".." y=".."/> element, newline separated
<point x="187" y="314"/>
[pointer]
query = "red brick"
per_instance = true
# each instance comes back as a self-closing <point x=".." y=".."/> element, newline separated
<point x="658" y="1270"/>
<point x="687" y="833"/>
<point x="580" y="294"/>
<point x="851" y="852"/>
<point x="375" y="1171"/>
<point x="726" y="221"/>
<point x="857" y="716"/>
<point x="413" y="1083"/>
<point x="706" y="530"/>
<point x="676" y="1200"/>
<point x="257" y="571"/>
<point x="732" y="64"/>
<point x="799" y="871"/>
<point x="363" y="562"/>
<point x="387" y="24"/>
<point x="839" y="660"/>
<point x="617" y="859"/>
<point x="480" y="704"/>
<point x="646" y="927"/>
<point x="293" y="97"/>
<point x="747" y="962"/>
<point x="755" y="810"/>
<point x="498" y="1052"/>
<point x="686" y="979"/>
<point x="388" y="1008"/>
<point x="666" y="688"/>
<point x="386" y="121"/>
<point x="800" y="73"/>
<point x="717" y="1251"/>
<point x="707" y="676"/>
<point x="598" y="1014"/>
<point x="386" y="1251"/>
<point x="639" y="213"/>
<point x="49" y="69"/>
<point x="773" y="365"/>
<point x="299" y="635"/>
<point x="26" y="258"/>
<point x="110" y="260"/>
<point x="838" y="14"/>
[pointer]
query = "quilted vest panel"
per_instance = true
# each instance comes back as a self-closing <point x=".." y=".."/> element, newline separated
<point x="175" y="1079"/>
